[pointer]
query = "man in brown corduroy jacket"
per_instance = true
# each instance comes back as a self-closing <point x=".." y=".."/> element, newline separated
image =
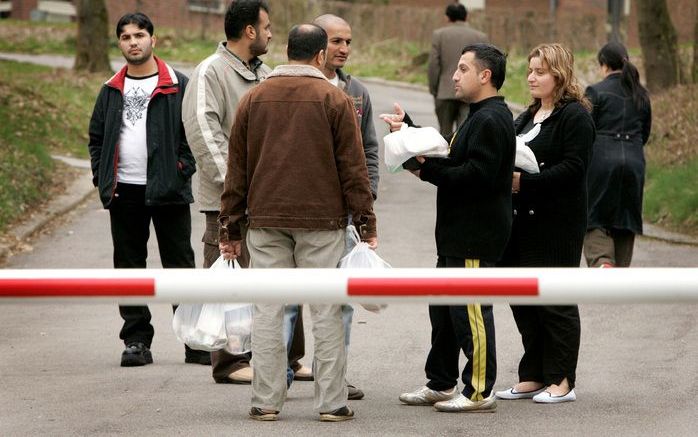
<point x="296" y="169"/>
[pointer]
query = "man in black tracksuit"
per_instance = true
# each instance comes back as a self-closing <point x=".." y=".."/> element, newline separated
<point x="473" y="222"/>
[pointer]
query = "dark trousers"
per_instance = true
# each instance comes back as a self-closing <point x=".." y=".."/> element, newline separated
<point x="550" y="336"/>
<point x="222" y="362"/>
<point x="130" y="230"/>
<point x="456" y="328"/>
<point x="450" y="113"/>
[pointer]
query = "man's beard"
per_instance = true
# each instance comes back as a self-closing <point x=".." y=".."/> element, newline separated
<point x="258" y="47"/>
<point x="140" y="59"/>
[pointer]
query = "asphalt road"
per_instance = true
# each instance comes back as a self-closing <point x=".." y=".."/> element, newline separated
<point x="60" y="374"/>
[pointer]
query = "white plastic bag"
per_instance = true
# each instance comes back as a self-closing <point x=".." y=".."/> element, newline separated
<point x="215" y="326"/>
<point x="412" y="141"/>
<point x="525" y="158"/>
<point x="361" y="256"/>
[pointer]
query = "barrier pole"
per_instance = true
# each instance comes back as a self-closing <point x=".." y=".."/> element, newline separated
<point x="399" y="285"/>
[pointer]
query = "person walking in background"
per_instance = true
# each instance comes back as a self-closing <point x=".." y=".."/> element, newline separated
<point x="550" y="215"/>
<point x="142" y="167"/>
<point x="296" y="170"/>
<point x="473" y="221"/>
<point x="208" y="112"/>
<point x="623" y="116"/>
<point x="446" y="45"/>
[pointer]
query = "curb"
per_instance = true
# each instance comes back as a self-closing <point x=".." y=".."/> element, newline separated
<point x="654" y="232"/>
<point x="75" y="194"/>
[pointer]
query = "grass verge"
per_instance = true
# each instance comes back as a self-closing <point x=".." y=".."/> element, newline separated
<point x="42" y="111"/>
<point x="671" y="189"/>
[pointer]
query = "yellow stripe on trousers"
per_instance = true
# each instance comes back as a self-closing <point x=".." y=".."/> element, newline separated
<point x="479" y="336"/>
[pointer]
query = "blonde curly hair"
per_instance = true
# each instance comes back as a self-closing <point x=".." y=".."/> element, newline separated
<point x="560" y="61"/>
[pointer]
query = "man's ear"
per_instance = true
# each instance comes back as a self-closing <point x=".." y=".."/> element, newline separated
<point x="485" y="76"/>
<point x="251" y="32"/>
<point x="321" y="57"/>
<point x="154" y="40"/>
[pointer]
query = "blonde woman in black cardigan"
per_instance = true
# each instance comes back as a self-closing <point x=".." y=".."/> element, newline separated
<point x="550" y="215"/>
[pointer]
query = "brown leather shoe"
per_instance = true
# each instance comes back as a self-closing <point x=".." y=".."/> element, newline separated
<point x="241" y="376"/>
<point x="303" y="374"/>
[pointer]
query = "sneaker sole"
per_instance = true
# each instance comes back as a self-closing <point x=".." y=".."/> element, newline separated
<point x="136" y="361"/>
<point x="330" y="418"/>
<point x="418" y="404"/>
<point x="265" y="418"/>
<point x="492" y="409"/>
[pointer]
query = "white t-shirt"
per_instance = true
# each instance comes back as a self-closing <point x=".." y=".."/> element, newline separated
<point x="133" y="148"/>
<point x="335" y="80"/>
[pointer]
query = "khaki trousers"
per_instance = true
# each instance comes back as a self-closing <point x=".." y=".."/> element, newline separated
<point x="224" y="363"/>
<point x="611" y="246"/>
<point x="294" y="248"/>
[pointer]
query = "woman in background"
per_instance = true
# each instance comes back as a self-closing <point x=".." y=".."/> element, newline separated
<point x="623" y="118"/>
<point x="550" y="220"/>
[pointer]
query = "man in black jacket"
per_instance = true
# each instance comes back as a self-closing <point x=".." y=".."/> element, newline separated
<point x="473" y="222"/>
<point x="142" y="166"/>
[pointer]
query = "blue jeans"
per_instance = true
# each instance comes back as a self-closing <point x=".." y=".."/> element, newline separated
<point x="290" y="316"/>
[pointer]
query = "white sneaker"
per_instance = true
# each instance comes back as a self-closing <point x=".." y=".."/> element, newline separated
<point x="461" y="404"/>
<point x="511" y="393"/>
<point x="427" y="396"/>
<point x="547" y="398"/>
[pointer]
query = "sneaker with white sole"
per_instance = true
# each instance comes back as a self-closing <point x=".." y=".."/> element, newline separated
<point x="338" y="415"/>
<point x="427" y="396"/>
<point x="512" y="394"/>
<point x="547" y="398"/>
<point x="461" y="404"/>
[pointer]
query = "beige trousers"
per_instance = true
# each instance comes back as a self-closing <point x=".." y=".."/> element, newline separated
<point x="294" y="248"/>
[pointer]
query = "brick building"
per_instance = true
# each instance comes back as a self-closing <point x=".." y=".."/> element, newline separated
<point x="521" y="24"/>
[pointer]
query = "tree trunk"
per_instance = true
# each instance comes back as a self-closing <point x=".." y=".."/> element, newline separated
<point x="93" y="36"/>
<point x="695" y="47"/>
<point x="658" y="41"/>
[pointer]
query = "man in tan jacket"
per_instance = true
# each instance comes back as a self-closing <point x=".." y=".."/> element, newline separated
<point x="446" y="46"/>
<point x="208" y="111"/>
<point x="296" y="169"/>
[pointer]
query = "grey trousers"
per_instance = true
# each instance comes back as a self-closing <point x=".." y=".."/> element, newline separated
<point x="293" y="248"/>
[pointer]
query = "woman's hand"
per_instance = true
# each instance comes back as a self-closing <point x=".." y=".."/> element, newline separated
<point x="516" y="182"/>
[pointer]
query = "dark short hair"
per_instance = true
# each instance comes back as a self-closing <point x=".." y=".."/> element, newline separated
<point x="456" y="12"/>
<point x="240" y="14"/>
<point x="138" y="18"/>
<point x="305" y="41"/>
<point x="490" y="57"/>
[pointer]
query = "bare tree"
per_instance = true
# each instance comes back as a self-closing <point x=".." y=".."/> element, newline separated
<point x="658" y="41"/>
<point x="695" y="47"/>
<point x="93" y="36"/>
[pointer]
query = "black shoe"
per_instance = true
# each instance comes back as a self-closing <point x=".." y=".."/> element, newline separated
<point x="193" y="356"/>
<point x="338" y="415"/>
<point x="354" y="393"/>
<point x="263" y="415"/>
<point x="136" y="354"/>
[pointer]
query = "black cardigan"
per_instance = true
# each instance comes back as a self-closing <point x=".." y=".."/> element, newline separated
<point x="550" y="210"/>
<point x="473" y="204"/>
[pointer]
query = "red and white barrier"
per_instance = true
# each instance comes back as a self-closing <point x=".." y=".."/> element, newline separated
<point x="436" y="286"/>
